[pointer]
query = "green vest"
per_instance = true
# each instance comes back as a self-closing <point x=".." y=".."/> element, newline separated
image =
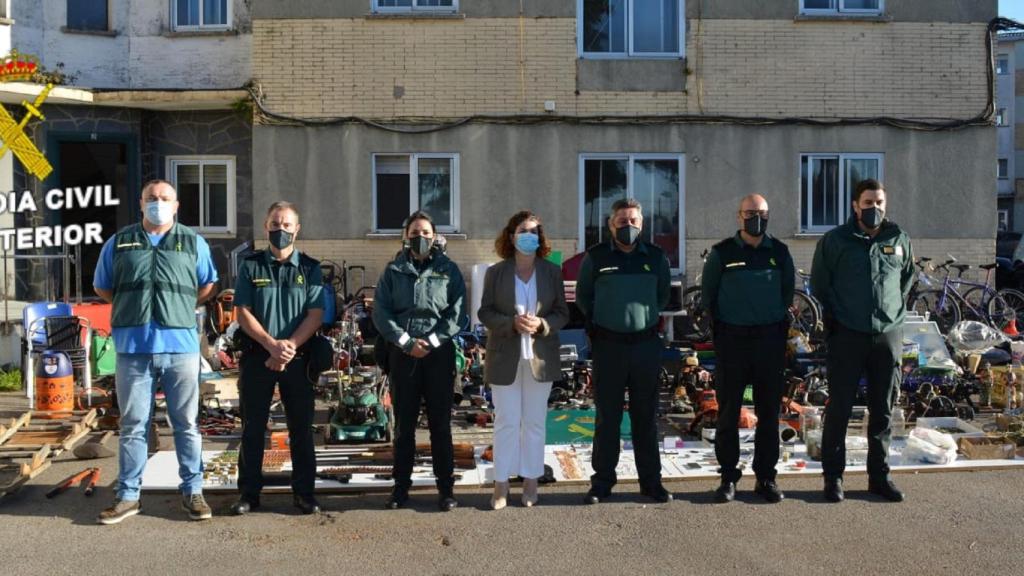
<point x="155" y="282"/>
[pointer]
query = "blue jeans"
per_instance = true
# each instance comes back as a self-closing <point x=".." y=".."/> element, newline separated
<point x="137" y="378"/>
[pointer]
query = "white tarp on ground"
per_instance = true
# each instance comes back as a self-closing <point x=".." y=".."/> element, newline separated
<point x="693" y="460"/>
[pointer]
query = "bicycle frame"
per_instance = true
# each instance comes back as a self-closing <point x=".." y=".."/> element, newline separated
<point x="951" y="288"/>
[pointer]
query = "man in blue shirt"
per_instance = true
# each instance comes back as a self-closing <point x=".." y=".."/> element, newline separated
<point x="155" y="273"/>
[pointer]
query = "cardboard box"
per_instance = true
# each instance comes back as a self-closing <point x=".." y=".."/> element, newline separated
<point x="987" y="448"/>
<point x="224" y="389"/>
<point x="999" y="382"/>
<point x="946" y="423"/>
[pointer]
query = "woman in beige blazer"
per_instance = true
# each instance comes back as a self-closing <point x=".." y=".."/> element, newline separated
<point x="523" y="307"/>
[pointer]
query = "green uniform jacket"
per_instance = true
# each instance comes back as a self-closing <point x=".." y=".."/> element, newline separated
<point x="155" y="282"/>
<point x="623" y="292"/>
<point x="279" y="293"/>
<point x="863" y="282"/>
<point x="748" y="286"/>
<point x="411" y="303"/>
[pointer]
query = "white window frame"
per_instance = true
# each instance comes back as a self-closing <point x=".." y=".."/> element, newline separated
<point x="1001" y="117"/>
<point x="414" y="199"/>
<point x="1002" y="219"/>
<point x="172" y="163"/>
<point x="844" y="194"/>
<point x="1005" y="69"/>
<point x="5" y="9"/>
<point x="630" y="54"/>
<point x="376" y="8"/>
<point x="202" y="27"/>
<point x="631" y="159"/>
<point x="842" y="9"/>
<point x="1002" y="174"/>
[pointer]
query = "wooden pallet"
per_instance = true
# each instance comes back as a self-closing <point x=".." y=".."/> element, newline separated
<point x="21" y="437"/>
<point x="15" y="473"/>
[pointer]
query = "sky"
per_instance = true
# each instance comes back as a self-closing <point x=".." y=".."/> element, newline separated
<point x="1012" y="9"/>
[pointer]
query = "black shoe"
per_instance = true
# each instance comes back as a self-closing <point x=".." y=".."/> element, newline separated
<point x="446" y="501"/>
<point x="306" y="504"/>
<point x="769" y="490"/>
<point x="596" y="495"/>
<point x="834" y="489"/>
<point x="245" y="505"/>
<point x="886" y="489"/>
<point x="657" y="492"/>
<point x="398" y="498"/>
<point x="726" y="492"/>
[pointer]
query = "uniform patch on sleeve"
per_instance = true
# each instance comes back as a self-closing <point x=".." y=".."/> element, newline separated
<point x="260" y="282"/>
<point x="608" y="269"/>
<point x="899" y="250"/>
<point x="735" y="264"/>
<point x="888" y="250"/>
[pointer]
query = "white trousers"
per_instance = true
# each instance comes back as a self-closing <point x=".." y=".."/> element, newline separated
<point x="520" y="413"/>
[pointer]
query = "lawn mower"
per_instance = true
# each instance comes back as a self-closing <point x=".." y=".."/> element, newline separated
<point x="363" y="410"/>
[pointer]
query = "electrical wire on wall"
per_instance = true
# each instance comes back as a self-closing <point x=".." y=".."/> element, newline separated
<point x="420" y="125"/>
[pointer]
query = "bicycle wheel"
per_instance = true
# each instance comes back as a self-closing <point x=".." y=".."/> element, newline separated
<point x="805" y="314"/>
<point x="928" y="302"/>
<point x="978" y="299"/>
<point x="699" y="319"/>
<point x="994" y="306"/>
<point x="1015" y="300"/>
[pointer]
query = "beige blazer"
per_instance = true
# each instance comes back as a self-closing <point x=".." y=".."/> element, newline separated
<point x="498" y="309"/>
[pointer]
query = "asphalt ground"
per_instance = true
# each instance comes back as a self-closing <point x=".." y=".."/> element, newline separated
<point x="951" y="523"/>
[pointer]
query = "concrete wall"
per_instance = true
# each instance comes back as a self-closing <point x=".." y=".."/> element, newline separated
<point x="395" y="68"/>
<point x="209" y="133"/>
<point x="142" y="52"/>
<point x="933" y="192"/>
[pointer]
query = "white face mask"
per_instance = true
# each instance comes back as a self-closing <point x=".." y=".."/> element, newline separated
<point x="159" y="213"/>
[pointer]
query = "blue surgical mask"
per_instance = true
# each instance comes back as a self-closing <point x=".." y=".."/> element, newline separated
<point x="527" y="242"/>
<point x="159" y="212"/>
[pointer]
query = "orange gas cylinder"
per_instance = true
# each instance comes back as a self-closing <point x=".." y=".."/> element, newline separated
<point x="55" y="385"/>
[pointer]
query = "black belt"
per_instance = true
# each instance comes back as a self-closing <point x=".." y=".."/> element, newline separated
<point x="776" y="329"/>
<point x="599" y="333"/>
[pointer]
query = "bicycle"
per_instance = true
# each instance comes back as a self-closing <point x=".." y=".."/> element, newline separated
<point x="948" y="305"/>
<point x="805" y="313"/>
<point x="696" y="315"/>
<point x="922" y="280"/>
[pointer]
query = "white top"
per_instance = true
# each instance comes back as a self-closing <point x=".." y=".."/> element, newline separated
<point x="526" y="300"/>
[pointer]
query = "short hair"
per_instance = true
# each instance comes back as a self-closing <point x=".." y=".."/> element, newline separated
<point x="156" y="182"/>
<point x="865" y="185"/>
<point x="503" y="244"/>
<point x="624" y="203"/>
<point x="419" y="215"/>
<point x="282" y="205"/>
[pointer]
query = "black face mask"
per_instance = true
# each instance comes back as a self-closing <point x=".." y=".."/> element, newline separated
<point x="755" y="225"/>
<point x="281" y="239"/>
<point x="872" y="217"/>
<point x="627" y="235"/>
<point x="420" y="245"/>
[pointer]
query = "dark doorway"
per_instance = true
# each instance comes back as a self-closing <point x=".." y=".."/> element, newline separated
<point x="95" y="164"/>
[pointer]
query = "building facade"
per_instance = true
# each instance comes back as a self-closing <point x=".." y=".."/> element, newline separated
<point x="146" y="89"/>
<point x="1010" y="136"/>
<point x="475" y="109"/>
